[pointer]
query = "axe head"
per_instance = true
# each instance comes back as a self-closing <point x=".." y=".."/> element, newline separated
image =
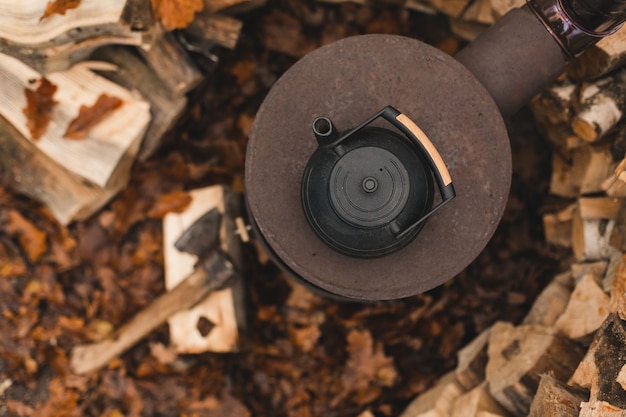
<point x="203" y="236"/>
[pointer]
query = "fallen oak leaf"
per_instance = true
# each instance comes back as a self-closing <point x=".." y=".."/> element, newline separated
<point x="59" y="7"/>
<point x="39" y="104"/>
<point x="88" y="117"/>
<point x="367" y="369"/>
<point x="176" y="202"/>
<point x="32" y="240"/>
<point x="176" y="14"/>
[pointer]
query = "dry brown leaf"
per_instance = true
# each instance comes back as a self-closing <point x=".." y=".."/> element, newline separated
<point x="59" y="7"/>
<point x="31" y="239"/>
<point x="174" y="202"/>
<point x="176" y="14"/>
<point x="88" y="117"/>
<point x="39" y="104"/>
<point x="366" y="370"/>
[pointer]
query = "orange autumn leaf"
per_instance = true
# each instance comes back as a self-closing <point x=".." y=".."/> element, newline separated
<point x="88" y="117"/>
<point x="174" y="202"/>
<point x="59" y="7"/>
<point x="176" y="14"/>
<point x="39" y="104"/>
<point x="32" y="240"/>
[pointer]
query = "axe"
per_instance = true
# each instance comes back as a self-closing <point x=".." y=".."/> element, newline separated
<point x="211" y="272"/>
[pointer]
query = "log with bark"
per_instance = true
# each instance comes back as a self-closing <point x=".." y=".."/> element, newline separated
<point x="52" y="36"/>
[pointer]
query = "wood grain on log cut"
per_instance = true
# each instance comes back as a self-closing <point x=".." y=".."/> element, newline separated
<point x="223" y="310"/>
<point x="618" y="237"/>
<point x="437" y="401"/>
<point x="33" y="173"/>
<point x="557" y="227"/>
<point x="580" y="269"/>
<point x="56" y="42"/>
<point x="596" y="208"/>
<point x="601" y="108"/>
<point x="172" y="65"/>
<point x="133" y="72"/>
<point x="621" y="377"/>
<point x="476" y="401"/>
<point x="602" y="364"/>
<point x="591" y="166"/>
<point x="102" y="157"/>
<point x="472" y="359"/>
<point x="555" y="399"/>
<point x="518" y="356"/>
<point x="601" y="58"/>
<point x="586" y="310"/>
<point x="551" y="303"/>
<point x="615" y="183"/>
<point x="583" y="170"/>
<point x="208" y="30"/>
<point x="600" y="409"/>
<point x="618" y="289"/>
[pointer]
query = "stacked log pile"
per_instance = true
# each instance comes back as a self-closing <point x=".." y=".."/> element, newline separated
<point x="568" y="356"/>
<point x="89" y="87"/>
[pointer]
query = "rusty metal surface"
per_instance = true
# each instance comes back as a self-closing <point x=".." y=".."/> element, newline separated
<point x="348" y="81"/>
<point x="515" y="59"/>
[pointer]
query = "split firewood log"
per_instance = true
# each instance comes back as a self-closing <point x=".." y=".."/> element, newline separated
<point x="217" y="323"/>
<point x="172" y="65"/>
<point x="586" y="310"/>
<point x="601" y="366"/>
<point x="552" y="301"/>
<point x="472" y="359"/>
<point x="557" y="227"/>
<point x="476" y="401"/>
<point x="52" y="36"/>
<point x="615" y="183"/>
<point x="81" y="121"/>
<point x="582" y="170"/>
<point x="208" y="30"/>
<point x="33" y="173"/>
<point x="518" y="356"/>
<point x="437" y="401"/>
<point x="556" y="399"/>
<point x="600" y="409"/>
<point x="133" y="72"/>
<point x="618" y="289"/>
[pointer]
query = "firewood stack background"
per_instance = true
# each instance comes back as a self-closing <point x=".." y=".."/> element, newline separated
<point x="121" y="123"/>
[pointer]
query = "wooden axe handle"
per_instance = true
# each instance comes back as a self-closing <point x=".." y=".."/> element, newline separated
<point x="90" y="357"/>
